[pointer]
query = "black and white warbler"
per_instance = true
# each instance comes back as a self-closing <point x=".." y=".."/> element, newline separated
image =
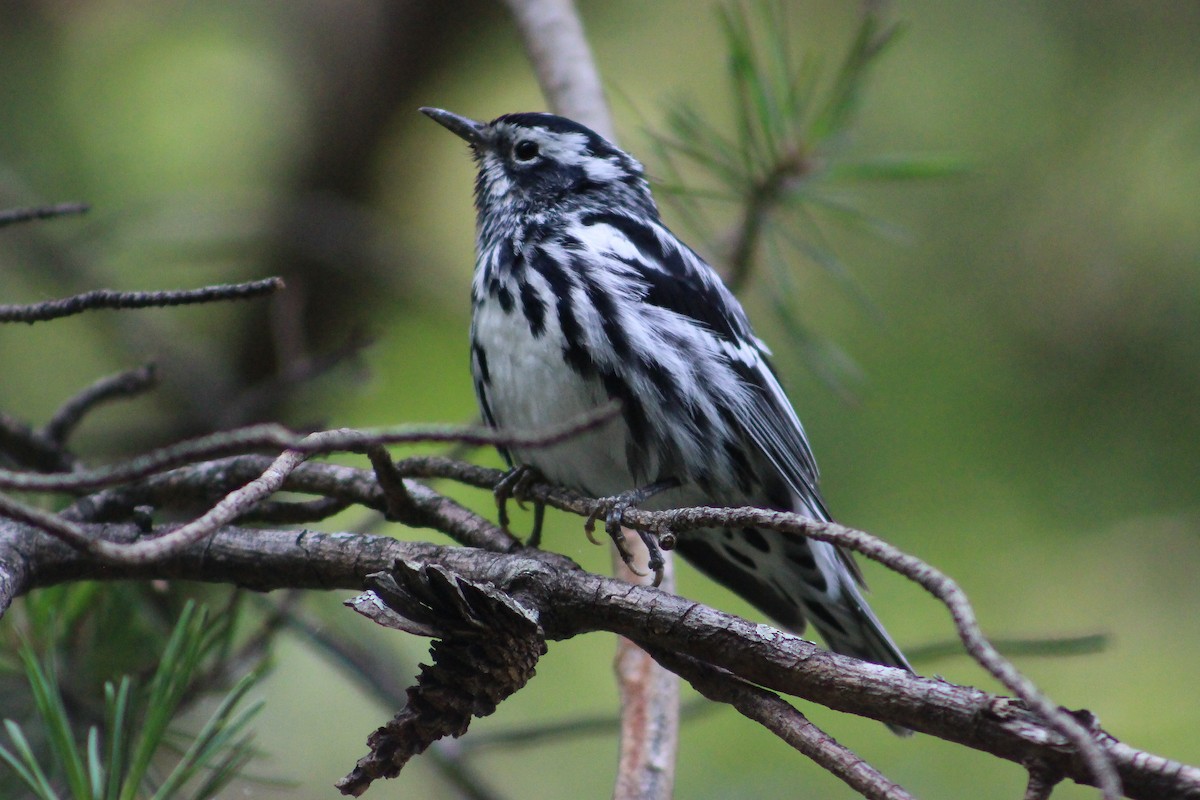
<point x="582" y="296"/>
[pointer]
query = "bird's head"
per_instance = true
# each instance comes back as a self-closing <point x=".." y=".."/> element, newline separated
<point x="533" y="163"/>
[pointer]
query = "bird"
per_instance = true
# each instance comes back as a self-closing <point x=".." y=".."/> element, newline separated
<point x="581" y="296"/>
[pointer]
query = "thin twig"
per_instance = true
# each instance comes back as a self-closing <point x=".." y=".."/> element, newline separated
<point x="111" y="299"/>
<point x="937" y="583"/>
<point x="145" y="551"/>
<point x="399" y="502"/>
<point x="193" y="488"/>
<point x="778" y="716"/>
<point x="1049" y="647"/>
<point x="272" y="436"/>
<point x="123" y="384"/>
<point x="12" y="216"/>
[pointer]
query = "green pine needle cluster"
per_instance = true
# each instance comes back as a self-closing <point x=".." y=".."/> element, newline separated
<point x="784" y="166"/>
<point x="135" y="753"/>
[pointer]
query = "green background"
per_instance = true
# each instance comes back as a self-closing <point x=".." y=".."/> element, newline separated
<point x="1029" y="420"/>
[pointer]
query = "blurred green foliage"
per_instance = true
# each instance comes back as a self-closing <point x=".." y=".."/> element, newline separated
<point x="1030" y="417"/>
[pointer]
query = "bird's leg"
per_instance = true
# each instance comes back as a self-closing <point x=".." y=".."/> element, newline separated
<point x="514" y="484"/>
<point x="539" y="516"/>
<point x="614" y="509"/>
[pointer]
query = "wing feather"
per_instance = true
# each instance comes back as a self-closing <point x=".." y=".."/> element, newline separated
<point x="675" y="278"/>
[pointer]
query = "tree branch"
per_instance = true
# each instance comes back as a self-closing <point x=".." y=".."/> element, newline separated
<point x="277" y="437"/>
<point x="13" y="216"/>
<point x="570" y="601"/>
<point x="779" y="717"/>
<point x="111" y="387"/>
<point x="107" y="298"/>
<point x="562" y="58"/>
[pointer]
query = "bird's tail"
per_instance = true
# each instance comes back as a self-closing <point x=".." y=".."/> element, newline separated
<point x="795" y="580"/>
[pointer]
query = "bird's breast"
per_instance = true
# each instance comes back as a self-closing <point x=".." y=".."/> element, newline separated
<point x="526" y="386"/>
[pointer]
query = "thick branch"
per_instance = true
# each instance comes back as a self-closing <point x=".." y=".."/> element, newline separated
<point x="561" y="57"/>
<point x="571" y="601"/>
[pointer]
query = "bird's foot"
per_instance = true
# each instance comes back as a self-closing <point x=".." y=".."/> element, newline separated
<point x="514" y="485"/>
<point x="614" y="508"/>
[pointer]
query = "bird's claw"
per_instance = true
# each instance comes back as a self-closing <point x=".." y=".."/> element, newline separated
<point x="514" y="485"/>
<point x="613" y="509"/>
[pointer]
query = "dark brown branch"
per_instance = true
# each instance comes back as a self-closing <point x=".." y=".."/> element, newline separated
<point x="196" y="487"/>
<point x="1041" y="783"/>
<point x="571" y="602"/>
<point x="779" y="717"/>
<point x="26" y="447"/>
<point x="111" y="387"/>
<point x="938" y="584"/>
<point x="13" y="216"/>
<point x="110" y="299"/>
<point x="233" y="505"/>
<point x="276" y="437"/>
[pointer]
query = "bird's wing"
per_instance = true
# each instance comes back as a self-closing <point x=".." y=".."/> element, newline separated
<point x="677" y="279"/>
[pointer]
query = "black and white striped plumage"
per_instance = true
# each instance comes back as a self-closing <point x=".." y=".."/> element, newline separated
<point x="581" y="295"/>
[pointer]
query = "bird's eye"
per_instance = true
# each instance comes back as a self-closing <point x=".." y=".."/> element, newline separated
<point x="525" y="150"/>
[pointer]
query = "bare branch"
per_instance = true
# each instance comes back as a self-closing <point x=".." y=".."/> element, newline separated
<point x="234" y="504"/>
<point x="649" y="737"/>
<point x="570" y="601"/>
<point x="562" y="58"/>
<point x="23" y="445"/>
<point x="272" y="436"/>
<point x="1048" y="647"/>
<point x="196" y="487"/>
<point x="111" y="387"/>
<point x="13" y="216"/>
<point x="1041" y="783"/>
<point x="940" y="586"/>
<point x="937" y="583"/>
<point x="779" y="717"/>
<point x="110" y="299"/>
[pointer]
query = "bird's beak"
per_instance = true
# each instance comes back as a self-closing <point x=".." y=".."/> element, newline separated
<point x="464" y="128"/>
